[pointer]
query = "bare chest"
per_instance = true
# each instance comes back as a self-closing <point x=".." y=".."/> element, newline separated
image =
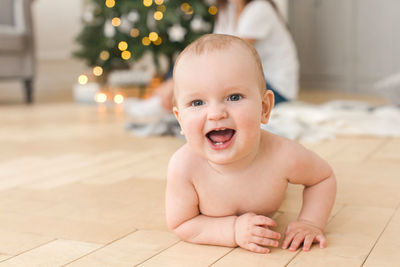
<point x="258" y="193"/>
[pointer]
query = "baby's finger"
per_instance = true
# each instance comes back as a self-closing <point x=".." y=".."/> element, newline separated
<point x="322" y="241"/>
<point x="288" y="239"/>
<point x="256" y="248"/>
<point x="263" y="220"/>
<point x="308" y="242"/>
<point x="264" y="232"/>
<point x="264" y="241"/>
<point x="297" y="240"/>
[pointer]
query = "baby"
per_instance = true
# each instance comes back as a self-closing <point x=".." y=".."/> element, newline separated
<point x="228" y="180"/>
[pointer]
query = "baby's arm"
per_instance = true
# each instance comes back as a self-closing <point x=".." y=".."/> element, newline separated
<point x="249" y="230"/>
<point x="319" y="193"/>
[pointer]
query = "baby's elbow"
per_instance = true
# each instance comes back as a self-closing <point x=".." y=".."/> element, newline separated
<point x="181" y="230"/>
<point x="330" y="184"/>
<point x="172" y="224"/>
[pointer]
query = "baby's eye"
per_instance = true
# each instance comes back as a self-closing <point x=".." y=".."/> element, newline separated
<point x="197" y="102"/>
<point x="235" y="97"/>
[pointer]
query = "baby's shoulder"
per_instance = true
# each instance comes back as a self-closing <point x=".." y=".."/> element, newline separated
<point x="183" y="162"/>
<point x="283" y="147"/>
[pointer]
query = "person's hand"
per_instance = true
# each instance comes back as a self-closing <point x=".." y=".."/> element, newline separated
<point x="252" y="233"/>
<point x="300" y="232"/>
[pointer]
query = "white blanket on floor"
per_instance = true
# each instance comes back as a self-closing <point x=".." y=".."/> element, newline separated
<point x="311" y="123"/>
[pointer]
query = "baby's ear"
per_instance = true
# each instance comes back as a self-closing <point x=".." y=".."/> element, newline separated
<point x="175" y="110"/>
<point x="268" y="101"/>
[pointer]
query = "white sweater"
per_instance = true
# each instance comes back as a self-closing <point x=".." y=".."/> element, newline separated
<point x="274" y="44"/>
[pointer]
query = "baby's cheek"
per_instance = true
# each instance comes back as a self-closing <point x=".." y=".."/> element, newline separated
<point x="192" y="129"/>
<point x="253" y="121"/>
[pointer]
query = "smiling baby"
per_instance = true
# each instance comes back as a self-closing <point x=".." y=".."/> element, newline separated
<point x="229" y="179"/>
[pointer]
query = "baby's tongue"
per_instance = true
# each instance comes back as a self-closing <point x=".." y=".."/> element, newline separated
<point x="220" y="136"/>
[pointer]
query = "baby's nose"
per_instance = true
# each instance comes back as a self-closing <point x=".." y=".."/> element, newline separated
<point x="217" y="112"/>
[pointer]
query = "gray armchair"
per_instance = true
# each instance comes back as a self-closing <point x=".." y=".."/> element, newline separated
<point x="17" y="59"/>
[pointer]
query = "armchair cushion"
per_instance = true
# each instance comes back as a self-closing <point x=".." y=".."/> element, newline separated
<point x="12" y="41"/>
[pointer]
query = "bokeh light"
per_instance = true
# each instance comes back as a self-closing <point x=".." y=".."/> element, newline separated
<point x="146" y="41"/>
<point x="104" y="55"/>
<point x="110" y="3"/>
<point x="213" y="10"/>
<point x="97" y="71"/>
<point x="153" y="36"/>
<point x="158" y="41"/>
<point x="126" y="55"/>
<point x="100" y="97"/>
<point x="185" y="7"/>
<point x="118" y="99"/>
<point x="158" y="15"/>
<point x="147" y="2"/>
<point x="134" y="32"/>
<point x="122" y="45"/>
<point x="83" y="79"/>
<point x="116" y="22"/>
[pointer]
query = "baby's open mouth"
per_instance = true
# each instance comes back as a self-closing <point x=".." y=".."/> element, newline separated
<point x="220" y="136"/>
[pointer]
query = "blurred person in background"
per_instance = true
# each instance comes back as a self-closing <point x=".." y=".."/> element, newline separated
<point x="258" y="22"/>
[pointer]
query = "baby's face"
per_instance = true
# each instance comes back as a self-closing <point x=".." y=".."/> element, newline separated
<point x="219" y="104"/>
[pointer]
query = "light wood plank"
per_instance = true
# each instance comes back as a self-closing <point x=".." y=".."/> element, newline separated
<point x="388" y="152"/>
<point x="93" y="232"/>
<point x="386" y="251"/>
<point x="329" y="148"/>
<point x="358" y="150"/>
<point x="47" y="166"/>
<point x="13" y="243"/>
<point x="4" y="257"/>
<point x="81" y="169"/>
<point x="149" y="165"/>
<point x="55" y="253"/>
<point x="130" y="250"/>
<point x="123" y="202"/>
<point x="186" y="254"/>
<point x="373" y="184"/>
<point x="351" y="235"/>
<point x="9" y="167"/>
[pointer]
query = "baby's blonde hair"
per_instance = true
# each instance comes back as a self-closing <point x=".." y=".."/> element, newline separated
<point x="216" y="42"/>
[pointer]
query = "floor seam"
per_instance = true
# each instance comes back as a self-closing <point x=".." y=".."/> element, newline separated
<point x="230" y="251"/>
<point x="380" y="235"/>
<point x="152" y="256"/>
<point x="101" y="247"/>
<point x="22" y="252"/>
<point x="384" y="142"/>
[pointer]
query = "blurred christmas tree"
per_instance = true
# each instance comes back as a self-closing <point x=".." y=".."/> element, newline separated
<point x="116" y="33"/>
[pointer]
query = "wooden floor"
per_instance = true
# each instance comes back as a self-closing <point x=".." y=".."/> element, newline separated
<point x="77" y="190"/>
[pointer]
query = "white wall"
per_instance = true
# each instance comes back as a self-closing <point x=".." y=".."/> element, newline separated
<point x="56" y="22"/>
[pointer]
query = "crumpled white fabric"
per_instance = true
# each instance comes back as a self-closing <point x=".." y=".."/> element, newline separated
<point x="312" y="123"/>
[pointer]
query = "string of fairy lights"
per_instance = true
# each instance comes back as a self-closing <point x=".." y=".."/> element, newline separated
<point x="152" y="38"/>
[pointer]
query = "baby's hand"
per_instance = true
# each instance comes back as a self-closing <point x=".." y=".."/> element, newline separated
<point x="252" y="233"/>
<point x="298" y="233"/>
